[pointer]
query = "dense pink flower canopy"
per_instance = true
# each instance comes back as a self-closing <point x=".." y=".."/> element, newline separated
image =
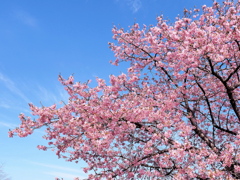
<point x="174" y="115"/>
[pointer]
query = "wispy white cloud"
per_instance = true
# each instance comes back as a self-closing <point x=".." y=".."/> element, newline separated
<point x="63" y="175"/>
<point x="8" y="125"/>
<point x="60" y="171"/>
<point x="63" y="94"/>
<point x="45" y="95"/>
<point x="52" y="96"/>
<point x="135" y="5"/>
<point x="15" y="90"/>
<point x="4" y="105"/>
<point x="10" y="85"/>
<point x="26" y="18"/>
<point x="57" y="167"/>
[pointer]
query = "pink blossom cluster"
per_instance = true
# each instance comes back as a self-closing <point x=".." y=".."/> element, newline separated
<point x="174" y="115"/>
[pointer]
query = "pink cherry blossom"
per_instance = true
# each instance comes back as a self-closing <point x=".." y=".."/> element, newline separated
<point x="174" y="115"/>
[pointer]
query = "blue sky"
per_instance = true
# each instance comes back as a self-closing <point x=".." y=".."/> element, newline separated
<point x="39" y="39"/>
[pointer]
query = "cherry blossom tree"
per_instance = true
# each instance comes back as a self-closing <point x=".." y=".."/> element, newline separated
<point x="173" y="115"/>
